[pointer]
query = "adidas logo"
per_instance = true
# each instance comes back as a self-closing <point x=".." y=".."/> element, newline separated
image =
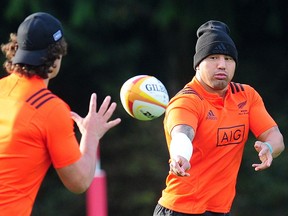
<point x="220" y="48"/>
<point x="211" y="115"/>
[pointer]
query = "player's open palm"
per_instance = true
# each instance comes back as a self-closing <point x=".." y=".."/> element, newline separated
<point x="265" y="156"/>
<point x="96" y="124"/>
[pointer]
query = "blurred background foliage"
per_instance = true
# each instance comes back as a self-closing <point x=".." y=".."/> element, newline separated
<point x="113" y="40"/>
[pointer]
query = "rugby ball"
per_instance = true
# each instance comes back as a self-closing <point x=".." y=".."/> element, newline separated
<point x="144" y="97"/>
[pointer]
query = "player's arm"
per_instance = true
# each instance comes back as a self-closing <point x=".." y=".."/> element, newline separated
<point x="269" y="146"/>
<point x="78" y="176"/>
<point x="181" y="149"/>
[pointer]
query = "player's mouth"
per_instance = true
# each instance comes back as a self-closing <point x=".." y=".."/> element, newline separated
<point x="220" y="76"/>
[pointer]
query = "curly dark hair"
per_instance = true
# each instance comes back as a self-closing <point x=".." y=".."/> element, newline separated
<point x="55" y="51"/>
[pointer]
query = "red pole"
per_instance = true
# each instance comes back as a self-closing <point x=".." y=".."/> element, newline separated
<point x="96" y="196"/>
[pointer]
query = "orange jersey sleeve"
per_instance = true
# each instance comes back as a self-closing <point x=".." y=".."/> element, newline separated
<point x="61" y="141"/>
<point x="259" y="119"/>
<point x="182" y="110"/>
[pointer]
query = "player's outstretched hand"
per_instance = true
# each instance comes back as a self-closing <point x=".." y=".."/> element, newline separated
<point x="96" y="124"/>
<point x="264" y="154"/>
<point x="179" y="166"/>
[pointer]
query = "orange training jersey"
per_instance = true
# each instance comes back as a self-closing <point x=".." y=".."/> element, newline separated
<point x="35" y="130"/>
<point x="221" y="130"/>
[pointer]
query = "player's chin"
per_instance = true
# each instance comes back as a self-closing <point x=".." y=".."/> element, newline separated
<point x="220" y="84"/>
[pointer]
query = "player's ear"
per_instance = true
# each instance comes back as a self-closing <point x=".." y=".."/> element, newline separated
<point x="54" y="69"/>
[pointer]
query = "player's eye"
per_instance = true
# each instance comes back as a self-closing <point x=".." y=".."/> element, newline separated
<point x="228" y="58"/>
<point x="212" y="57"/>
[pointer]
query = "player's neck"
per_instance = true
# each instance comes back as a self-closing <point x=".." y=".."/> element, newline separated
<point x="46" y="81"/>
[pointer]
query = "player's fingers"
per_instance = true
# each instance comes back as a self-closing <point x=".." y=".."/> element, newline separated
<point x="269" y="160"/>
<point x="93" y="103"/>
<point x="257" y="146"/>
<point x="187" y="174"/>
<point x="104" y="106"/>
<point x="261" y="166"/>
<point x="177" y="169"/>
<point x="258" y="167"/>
<point x="257" y="143"/>
<point x="110" y="111"/>
<point x="255" y="166"/>
<point x="113" y="123"/>
<point x="180" y="173"/>
<point x="173" y="166"/>
<point x="76" y="117"/>
<point x="176" y="172"/>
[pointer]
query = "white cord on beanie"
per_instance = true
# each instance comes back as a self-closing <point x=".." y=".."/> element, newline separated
<point x="181" y="145"/>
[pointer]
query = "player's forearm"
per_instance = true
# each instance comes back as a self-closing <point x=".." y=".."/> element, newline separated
<point x="87" y="163"/>
<point x="277" y="145"/>
<point x="275" y="140"/>
<point x="78" y="176"/>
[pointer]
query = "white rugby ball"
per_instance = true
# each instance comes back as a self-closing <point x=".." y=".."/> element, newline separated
<point x="144" y="97"/>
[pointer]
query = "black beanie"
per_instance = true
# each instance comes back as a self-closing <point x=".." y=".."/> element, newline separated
<point x="213" y="38"/>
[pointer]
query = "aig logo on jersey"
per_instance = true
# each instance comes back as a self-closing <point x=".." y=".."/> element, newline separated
<point x="230" y="135"/>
